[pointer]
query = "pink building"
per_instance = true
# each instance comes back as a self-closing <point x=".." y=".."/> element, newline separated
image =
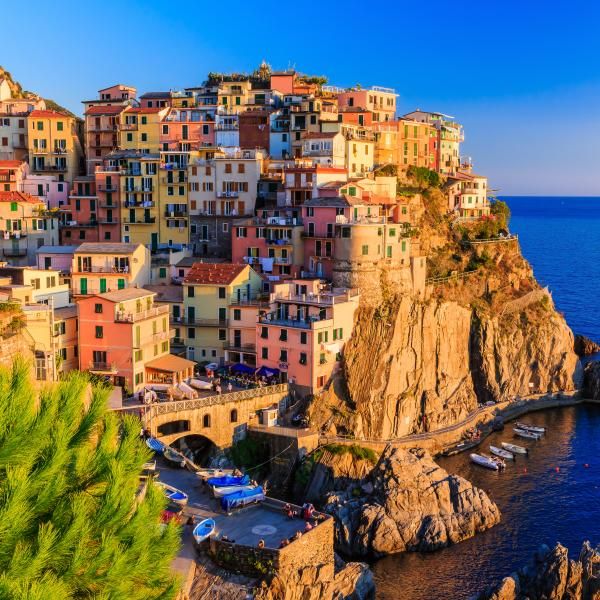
<point x="59" y="258"/>
<point x="12" y="174"/>
<point x="303" y="335"/>
<point x="189" y="127"/>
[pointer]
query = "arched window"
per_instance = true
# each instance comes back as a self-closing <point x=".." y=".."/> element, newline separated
<point x="206" y="421"/>
<point x="233" y="416"/>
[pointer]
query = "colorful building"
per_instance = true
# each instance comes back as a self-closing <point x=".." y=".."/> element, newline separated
<point x="380" y="101"/>
<point x="302" y="337"/>
<point x="139" y="128"/>
<point x="468" y="195"/>
<point x="124" y="336"/>
<point x="209" y="290"/>
<point x="106" y="267"/>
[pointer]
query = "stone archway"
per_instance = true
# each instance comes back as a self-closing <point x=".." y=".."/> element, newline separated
<point x="200" y="446"/>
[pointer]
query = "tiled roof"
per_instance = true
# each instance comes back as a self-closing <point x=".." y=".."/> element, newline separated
<point x="166" y="293"/>
<point x="315" y="135"/>
<point x="124" y="295"/>
<point x="57" y="249"/>
<point x="155" y="95"/>
<point x="106" y="248"/>
<point x="105" y="110"/>
<point x="336" y="201"/>
<point x="333" y="185"/>
<point x="143" y="110"/>
<point x="11" y="164"/>
<point x="48" y="114"/>
<point x="19" y="197"/>
<point x="207" y="273"/>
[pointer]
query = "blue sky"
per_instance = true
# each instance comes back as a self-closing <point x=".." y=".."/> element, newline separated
<point x="521" y="76"/>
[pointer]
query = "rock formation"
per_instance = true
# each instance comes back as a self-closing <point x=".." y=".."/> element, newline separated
<point x="410" y="504"/>
<point x="584" y="346"/>
<point x="591" y="380"/>
<point x="552" y="576"/>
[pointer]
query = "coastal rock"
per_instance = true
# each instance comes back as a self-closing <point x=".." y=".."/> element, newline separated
<point x="584" y="346"/>
<point x="415" y="505"/>
<point x="552" y="575"/>
<point x="591" y="381"/>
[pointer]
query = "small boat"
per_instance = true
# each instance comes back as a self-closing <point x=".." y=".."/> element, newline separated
<point x="206" y="474"/>
<point x="239" y="499"/>
<point x="532" y="428"/>
<point x="528" y="435"/>
<point x="219" y="492"/>
<point x="150" y="466"/>
<point x="502" y="453"/>
<point x="155" y="445"/>
<point x="514" y="448"/>
<point x="204" y="530"/>
<point x="173" y="494"/>
<point x="199" y="384"/>
<point x="173" y="456"/>
<point x="227" y="480"/>
<point x="487" y="461"/>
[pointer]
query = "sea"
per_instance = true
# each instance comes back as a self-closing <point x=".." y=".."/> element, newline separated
<point x="552" y="495"/>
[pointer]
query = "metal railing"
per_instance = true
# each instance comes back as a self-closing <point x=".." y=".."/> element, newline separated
<point x="130" y="317"/>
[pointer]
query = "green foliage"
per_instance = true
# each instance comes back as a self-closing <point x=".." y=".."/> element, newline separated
<point x="388" y="170"/>
<point x="248" y="453"/>
<point x="476" y="261"/>
<point x="424" y="177"/>
<point x="71" y="522"/>
<point x="501" y="211"/>
<point x="358" y="452"/>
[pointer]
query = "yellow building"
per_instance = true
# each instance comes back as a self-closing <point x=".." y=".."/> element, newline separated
<point x="53" y="144"/>
<point x="173" y="214"/>
<point x="405" y="142"/>
<point x="234" y="95"/>
<point x="139" y="128"/>
<point x="209" y="290"/>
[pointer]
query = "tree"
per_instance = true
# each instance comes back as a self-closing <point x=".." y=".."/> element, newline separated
<point x="72" y="524"/>
<point x="502" y="213"/>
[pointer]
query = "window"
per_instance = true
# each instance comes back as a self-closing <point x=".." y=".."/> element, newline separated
<point x="139" y="378"/>
<point x="237" y="314"/>
<point x="138" y="356"/>
<point x="165" y="346"/>
<point x="98" y="308"/>
<point x="392" y="233"/>
<point x="162" y="272"/>
<point x="322" y="358"/>
<point x="144" y="137"/>
<point x="99" y="331"/>
<point x="144" y="120"/>
<point x="283" y="335"/>
<point x="225" y="227"/>
<point x="365" y="250"/>
<point x="206" y="421"/>
<point x="241" y="168"/>
<point x="190" y="291"/>
<point x="303" y="359"/>
<point x="227" y="167"/>
<point x="191" y="333"/>
<point x="233" y="415"/>
<point x="403" y="246"/>
<point x="338" y="333"/>
<point x="389" y="252"/>
<point x="283" y="355"/>
<point x="264" y="353"/>
<point x="222" y="292"/>
<point x="241" y="232"/>
<point x="264" y="333"/>
<point x="222" y="334"/>
<point x="303" y="337"/>
<point x="59" y="126"/>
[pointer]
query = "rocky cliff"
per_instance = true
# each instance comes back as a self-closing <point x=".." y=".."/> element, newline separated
<point x="552" y="575"/>
<point x="584" y="346"/>
<point x="485" y="331"/>
<point x="408" y="503"/>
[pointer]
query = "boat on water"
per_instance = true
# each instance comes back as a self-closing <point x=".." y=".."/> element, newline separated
<point x="514" y="448"/>
<point x="173" y="456"/>
<point x="487" y="461"/>
<point x="239" y="499"/>
<point x="173" y="494"/>
<point x="155" y="445"/>
<point x="528" y="435"/>
<point x="228" y="480"/>
<point x="221" y="491"/>
<point x="204" y="530"/>
<point x="532" y="428"/>
<point x="502" y="453"/>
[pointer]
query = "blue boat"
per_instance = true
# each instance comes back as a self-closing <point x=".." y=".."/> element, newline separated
<point x="173" y="494"/>
<point x="227" y="480"/>
<point x="204" y="530"/>
<point x="155" y="445"/>
<point x="239" y="499"/>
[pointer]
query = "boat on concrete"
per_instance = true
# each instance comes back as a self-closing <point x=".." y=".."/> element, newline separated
<point x="514" y="448"/>
<point x="502" y="453"/>
<point x="173" y="456"/>
<point x="239" y="499"/>
<point x="155" y="445"/>
<point x="173" y="494"/>
<point x="228" y="480"/>
<point x="219" y="492"/>
<point x="204" y="530"/>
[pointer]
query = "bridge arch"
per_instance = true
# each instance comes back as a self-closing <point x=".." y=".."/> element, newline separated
<point x="200" y="445"/>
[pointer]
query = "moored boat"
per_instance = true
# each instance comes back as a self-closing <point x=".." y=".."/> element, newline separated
<point x="514" y="448"/>
<point x="239" y="499"/>
<point x="532" y="428"/>
<point x="227" y="480"/>
<point x="204" y="530"/>
<point x="502" y="453"/>
<point x="528" y="435"/>
<point x="219" y="492"/>
<point x="173" y="494"/>
<point x="173" y="456"/>
<point x="206" y="474"/>
<point x="487" y="461"/>
<point x="155" y="445"/>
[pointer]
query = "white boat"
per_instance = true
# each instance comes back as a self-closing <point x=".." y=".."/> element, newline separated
<point x="199" y="384"/>
<point x="173" y="494"/>
<point x="502" y="453"/>
<point x="187" y="391"/>
<point x="514" y="448"/>
<point x="205" y="474"/>
<point x="225" y="490"/>
<point x="532" y="428"/>
<point x="528" y="435"/>
<point x="487" y="461"/>
<point x="204" y="530"/>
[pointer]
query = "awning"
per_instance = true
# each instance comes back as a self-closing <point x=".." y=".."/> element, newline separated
<point x="170" y="364"/>
<point x="267" y="372"/>
<point x="242" y="368"/>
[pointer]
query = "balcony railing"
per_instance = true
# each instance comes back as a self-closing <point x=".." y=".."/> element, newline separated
<point x="228" y="194"/>
<point x="44" y="167"/>
<point x="132" y="317"/>
<point x="274" y="319"/>
<point x="14" y="252"/>
<point x="108" y="188"/>
<point x="168" y="181"/>
<point x="141" y="221"/>
<point x="176" y="213"/>
<point x="317" y="299"/>
<point x="102" y="269"/>
<point x="239" y="347"/>
<point x="128" y="126"/>
<point x="138" y="188"/>
<point x="200" y="322"/>
<point x="103" y="367"/>
<point x="138" y="204"/>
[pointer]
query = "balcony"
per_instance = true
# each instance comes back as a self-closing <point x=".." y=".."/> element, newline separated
<point x="141" y="221"/>
<point x="239" y="347"/>
<point x="14" y="252"/>
<point x="317" y="299"/>
<point x="139" y="188"/>
<point x="101" y="128"/>
<point x="128" y="126"/>
<point x="106" y="205"/>
<point x="315" y="235"/>
<point x="274" y="319"/>
<point x="44" y="167"/>
<point x="133" y="317"/>
<point x="107" y="268"/>
<point x="169" y="181"/>
<point x="176" y="213"/>
<point x="200" y="322"/>
<point x="108" y="188"/>
<point x="228" y="194"/>
<point x="102" y="367"/>
<point x="108" y="222"/>
<point x="138" y="204"/>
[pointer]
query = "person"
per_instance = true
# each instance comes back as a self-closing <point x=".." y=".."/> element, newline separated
<point x="287" y="507"/>
<point x="229" y="387"/>
<point x="308" y="526"/>
<point x="218" y="389"/>
<point x="142" y="434"/>
<point x="307" y="510"/>
<point x="261" y="543"/>
<point x="297" y="535"/>
<point x="284" y="542"/>
<point x="289" y="512"/>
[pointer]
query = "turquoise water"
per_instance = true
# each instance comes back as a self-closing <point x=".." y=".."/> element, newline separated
<point x="551" y="495"/>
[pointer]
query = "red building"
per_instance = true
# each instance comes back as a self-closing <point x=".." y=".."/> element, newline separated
<point x="254" y="129"/>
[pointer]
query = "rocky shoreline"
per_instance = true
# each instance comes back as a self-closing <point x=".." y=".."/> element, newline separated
<point x="552" y="575"/>
<point x="408" y="503"/>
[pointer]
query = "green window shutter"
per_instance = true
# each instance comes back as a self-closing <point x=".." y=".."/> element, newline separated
<point x="14" y="206"/>
<point x="162" y="272"/>
<point x="121" y="284"/>
<point x="59" y="126"/>
<point x="102" y="286"/>
<point x="83" y="285"/>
